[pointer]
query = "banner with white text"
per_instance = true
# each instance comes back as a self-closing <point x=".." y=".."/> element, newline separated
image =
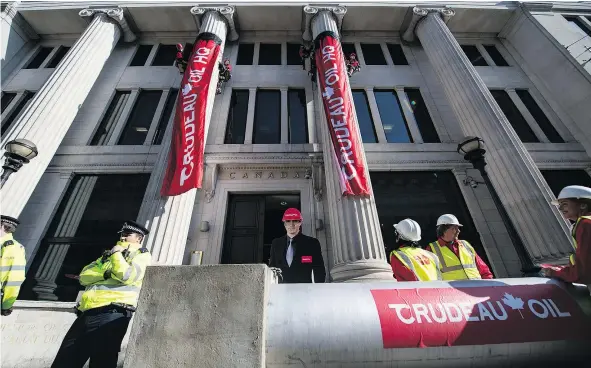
<point x="185" y="161"/>
<point x="340" y="116"/>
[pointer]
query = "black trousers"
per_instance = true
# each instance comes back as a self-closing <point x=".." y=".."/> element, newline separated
<point x="96" y="335"/>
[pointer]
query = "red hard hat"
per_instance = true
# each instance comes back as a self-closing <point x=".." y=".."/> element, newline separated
<point x="292" y="214"/>
<point x="180" y="47"/>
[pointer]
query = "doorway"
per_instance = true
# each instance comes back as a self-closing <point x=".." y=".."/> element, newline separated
<point x="253" y="221"/>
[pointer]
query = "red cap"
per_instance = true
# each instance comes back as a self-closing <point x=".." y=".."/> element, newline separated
<point x="180" y="47"/>
<point x="292" y="214"/>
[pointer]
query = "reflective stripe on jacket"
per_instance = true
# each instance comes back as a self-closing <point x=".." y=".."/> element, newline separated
<point x="454" y="268"/>
<point x="422" y="263"/>
<point x="12" y="269"/>
<point x="574" y="231"/>
<point x="124" y="284"/>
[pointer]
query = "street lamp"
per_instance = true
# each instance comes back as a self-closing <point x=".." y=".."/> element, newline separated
<point x="473" y="150"/>
<point x="18" y="152"/>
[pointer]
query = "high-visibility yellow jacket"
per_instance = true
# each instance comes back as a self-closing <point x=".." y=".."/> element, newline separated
<point x="124" y="282"/>
<point x="424" y="264"/>
<point x="454" y="268"/>
<point x="12" y="269"/>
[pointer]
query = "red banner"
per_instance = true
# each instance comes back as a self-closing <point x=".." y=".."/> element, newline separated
<point x="185" y="161"/>
<point x="478" y="315"/>
<point x="342" y="121"/>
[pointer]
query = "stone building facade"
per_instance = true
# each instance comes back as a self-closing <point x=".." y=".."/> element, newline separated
<point x="95" y="87"/>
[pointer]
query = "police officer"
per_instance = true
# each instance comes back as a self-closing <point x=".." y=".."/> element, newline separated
<point x="112" y="286"/>
<point x="12" y="263"/>
<point x="410" y="262"/>
<point x="296" y="254"/>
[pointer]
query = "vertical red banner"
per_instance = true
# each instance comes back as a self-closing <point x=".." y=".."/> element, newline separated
<point x="185" y="161"/>
<point x="342" y="122"/>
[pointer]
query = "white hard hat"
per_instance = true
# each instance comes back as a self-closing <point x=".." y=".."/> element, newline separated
<point x="408" y="229"/>
<point x="574" y="192"/>
<point x="448" y="219"/>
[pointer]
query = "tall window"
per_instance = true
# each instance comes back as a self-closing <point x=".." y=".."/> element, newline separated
<point x="165" y="55"/>
<point x="297" y="117"/>
<point x="293" y="54"/>
<point x="373" y="54"/>
<point x="558" y="179"/>
<point x="366" y="126"/>
<point x="494" y="54"/>
<point x="16" y="111"/>
<point x="397" y="54"/>
<point x="474" y="55"/>
<point x="166" y="117"/>
<point x="58" y="56"/>
<point x="577" y="25"/>
<point x="236" y="125"/>
<point x="392" y="117"/>
<point x="267" y="117"/>
<point x="348" y="48"/>
<point x="86" y="223"/>
<point x="139" y="121"/>
<point x="539" y="116"/>
<point x="141" y="55"/>
<point x="517" y="120"/>
<point x="39" y="58"/>
<point x="270" y="54"/>
<point x="7" y="98"/>
<point x="422" y="116"/>
<point x="245" y="54"/>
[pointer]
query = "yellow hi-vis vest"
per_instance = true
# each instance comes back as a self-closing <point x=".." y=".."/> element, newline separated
<point x="12" y="269"/>
<point x="422" y="263"/>
<point x="123" y="285"/>
<point x="453" y="268"/>
<point x="574" y="232"/>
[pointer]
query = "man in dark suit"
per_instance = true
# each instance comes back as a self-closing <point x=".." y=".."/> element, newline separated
<point x="296" y="254"/>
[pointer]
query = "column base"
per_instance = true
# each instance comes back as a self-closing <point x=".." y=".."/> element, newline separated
<point x="44" y="290"/>
<point x="362" y="271"/>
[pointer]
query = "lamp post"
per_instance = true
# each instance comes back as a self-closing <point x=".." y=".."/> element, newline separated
<point x="18" y="152"/>
<point x="473" y="150"/>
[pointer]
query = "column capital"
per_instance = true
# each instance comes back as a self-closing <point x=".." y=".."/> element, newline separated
<point x="226" y="12"/>
<point x="117" y="15"/>
<point x="310" y="11"/>
<point x="418" y="14"/>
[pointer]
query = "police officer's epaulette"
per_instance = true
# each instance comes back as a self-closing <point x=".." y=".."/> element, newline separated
<point x="7" y="243"/>
<point x="143" y="250"/>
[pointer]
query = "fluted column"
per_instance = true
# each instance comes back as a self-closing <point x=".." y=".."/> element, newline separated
<point x="168" y="218"/>
<point x="53" y="259"/>
<point x="51" y="112"/>
<point x="514" y="175"/>
<point x="359" y="253"/>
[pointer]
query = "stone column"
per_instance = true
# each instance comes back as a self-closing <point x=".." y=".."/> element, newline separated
<point x="168" y="218"/>
<point x="514" y="175"/>
<point x="53" y="259"/>
<point x="359" y="253"/>
<point x="51" y="112"/>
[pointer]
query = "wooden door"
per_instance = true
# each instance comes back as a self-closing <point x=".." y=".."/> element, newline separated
<point x="243" y="240"/>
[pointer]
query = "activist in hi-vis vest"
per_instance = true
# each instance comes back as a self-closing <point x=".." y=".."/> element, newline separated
<point x="459" y="260"/>
<point x="574" y="202"/>
<point x="340" y="115"/>
<point x="112" y="284"/>
<point x="409" y="262"/>
<point x="185" y="161"/>
<point x="12" y="264"/>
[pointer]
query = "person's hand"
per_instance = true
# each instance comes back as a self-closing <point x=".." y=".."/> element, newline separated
<point x="6" y="312"/>
<point x="117" y="248"/>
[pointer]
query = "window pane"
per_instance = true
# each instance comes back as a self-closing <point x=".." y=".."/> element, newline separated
<point x="366" y="127"/>
<point x="293" y="54"/>
<point x="236" y="125"/>
<point x="165" y="56"/>
<point x="140" y="119"/>
<point x="514" y="116"/>
<point x="267" y="117"/>
<point x="16" y="112"/>
<point x="39" y="58"/>
<point x="110" y="119"/>
<point x="270" y="54"/>
<point x="372" y="53"/>
<point x="474" y="55"/>
<point x="539" y="116"/>
<point x="558" y="179"/>
<point x="245" y="54"/>
<point x="59" y="55"/>
<point x="141" y="55"/>
<point x="297" y="119"/>
<point x="397" y="54"/>
<point x="495" y="55"/>
<point x="577" y="25"/>
<point x="166" y="115"/>
<point x="392" y="117"/>
<point x="422" y="116"/>
<point x="94" y="208"/>
<point x="348" y="48"/>
<point x="7" y="98"/>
